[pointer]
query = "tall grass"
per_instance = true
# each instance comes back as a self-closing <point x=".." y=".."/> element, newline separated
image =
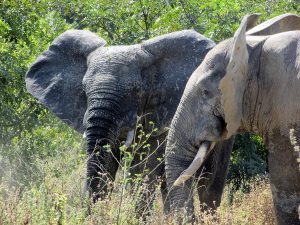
<point x="51" y="191"/>
<point x="59" y="199"/>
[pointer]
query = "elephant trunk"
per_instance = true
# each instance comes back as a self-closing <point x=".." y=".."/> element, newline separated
<point x="204" y="148"/>
<point x="179" y="156"/>
<point x="102" y="130"/>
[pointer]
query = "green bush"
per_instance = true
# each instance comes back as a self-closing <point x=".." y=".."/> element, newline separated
<point x="248" y="161"/>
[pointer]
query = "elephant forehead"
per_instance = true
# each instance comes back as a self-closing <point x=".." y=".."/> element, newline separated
<point x="219" y="56"/>
<point x="114" y="60"/>
<point x="123" y="54"/>
<point x="207" y="76"/>
<point x="214" y="64"/>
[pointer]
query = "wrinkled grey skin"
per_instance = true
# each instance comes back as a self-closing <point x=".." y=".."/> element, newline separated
<point x="101" y="90"/>
<point x="209" y="180"/>
<point x="246" y="83"/>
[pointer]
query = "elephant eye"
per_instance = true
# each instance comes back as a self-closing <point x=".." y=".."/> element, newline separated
<point x="205" y="93"/>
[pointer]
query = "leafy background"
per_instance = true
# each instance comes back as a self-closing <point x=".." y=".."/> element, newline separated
<point x="30" y="134"/>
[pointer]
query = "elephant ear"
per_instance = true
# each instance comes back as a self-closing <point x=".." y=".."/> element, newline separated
<point x="170" y="59"/>
<point x="176" y="52"/>
<point x="185" y="43"/>
<point x="55" y="78"/>
<point x="278" y="24"/>
<point x="233" y="84"/>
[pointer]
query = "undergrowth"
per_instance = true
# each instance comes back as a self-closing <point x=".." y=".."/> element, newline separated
<point x="54" y="193"/>
<point x="59" y="199"/>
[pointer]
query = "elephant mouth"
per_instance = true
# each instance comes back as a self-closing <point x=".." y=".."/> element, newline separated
<point x="204" y="150"/>
<point x="221" y="124"/>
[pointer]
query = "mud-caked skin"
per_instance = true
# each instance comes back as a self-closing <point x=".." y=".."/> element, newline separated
<point x="250" y="82"/>
<point x="101" y="90"/>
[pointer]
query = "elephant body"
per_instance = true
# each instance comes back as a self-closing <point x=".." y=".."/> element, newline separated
<point x="100" y="91"/>
<point x="249" y="83"/>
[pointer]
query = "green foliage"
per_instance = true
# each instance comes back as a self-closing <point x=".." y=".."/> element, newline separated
<point x="27" y="29"/>
<point x="248" y="160"/>
<point x="27" y="130"/>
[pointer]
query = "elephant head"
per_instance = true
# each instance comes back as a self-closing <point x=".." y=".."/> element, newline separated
<point x="101" y="90"/>
<point x="243" y="84"/>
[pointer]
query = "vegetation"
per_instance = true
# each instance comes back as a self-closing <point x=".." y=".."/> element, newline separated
<point x="42" y="160"/>
<point x="57" y="199"/>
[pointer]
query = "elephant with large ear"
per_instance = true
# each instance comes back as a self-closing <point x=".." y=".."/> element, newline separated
<point x="101" y="90"/>
<point x="250" y="82"/>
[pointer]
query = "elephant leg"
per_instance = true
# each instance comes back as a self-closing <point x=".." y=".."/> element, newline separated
<point x="284" y="178"/>
<point x="213" y="177"/>
<point x="149" y="166"/>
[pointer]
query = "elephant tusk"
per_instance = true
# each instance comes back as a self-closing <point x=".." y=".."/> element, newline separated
<point x="196" y="164"/>
<point x="84" y="135"/>
<point x="129" y="138"/>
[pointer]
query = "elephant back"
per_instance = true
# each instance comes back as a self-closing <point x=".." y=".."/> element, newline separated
<point x="55" y="78"/>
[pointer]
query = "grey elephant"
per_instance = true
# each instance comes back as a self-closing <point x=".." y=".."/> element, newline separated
<point x="100" y="91"/>
<point x="250" y="82"/>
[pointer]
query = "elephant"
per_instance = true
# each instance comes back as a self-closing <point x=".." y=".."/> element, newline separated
<point x="248" y="83"/>
<point x="101" y="90"/>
